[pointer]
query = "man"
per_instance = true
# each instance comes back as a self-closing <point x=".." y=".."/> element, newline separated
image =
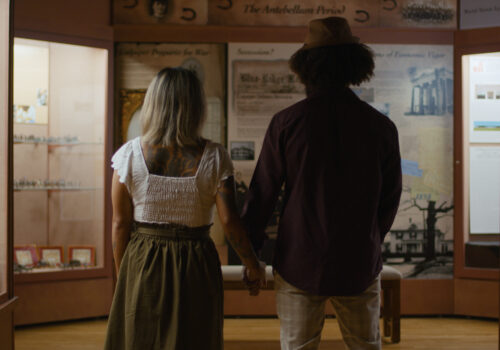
<point x="339" y="162"/>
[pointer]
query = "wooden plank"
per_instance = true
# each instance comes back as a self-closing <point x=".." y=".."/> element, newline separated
<point x="62" y="300"/>
<point x="264" y="333"/>
<point x="7" y="324"/>
<point x="476" y="298"/>
<point x="477" y="37"/>
<point x="418" y="297"/>
<point x="225" y="34"/>
<point x="88" y="19"/>
<point x="427" y="297"/>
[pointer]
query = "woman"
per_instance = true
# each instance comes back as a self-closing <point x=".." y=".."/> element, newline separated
<point x="165" y="184"/>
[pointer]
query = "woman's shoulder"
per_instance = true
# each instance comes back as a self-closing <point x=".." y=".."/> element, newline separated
<point x="128" y="146"/>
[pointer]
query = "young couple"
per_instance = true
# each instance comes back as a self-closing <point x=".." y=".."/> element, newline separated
<point x="339" y="162"/>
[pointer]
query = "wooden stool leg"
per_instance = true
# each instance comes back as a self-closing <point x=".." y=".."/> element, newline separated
<point x="391" y="311"/>
<point x="396" y="312"/>
<point x="387" y="310"/>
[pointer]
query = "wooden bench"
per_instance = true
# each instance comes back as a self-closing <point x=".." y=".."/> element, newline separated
<point x="391" y="298"/>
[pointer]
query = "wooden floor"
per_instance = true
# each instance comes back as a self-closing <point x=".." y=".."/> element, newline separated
<point x="263" y="334"/>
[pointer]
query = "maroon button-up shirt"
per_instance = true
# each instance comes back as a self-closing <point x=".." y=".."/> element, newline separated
<point x="340" y="163"/>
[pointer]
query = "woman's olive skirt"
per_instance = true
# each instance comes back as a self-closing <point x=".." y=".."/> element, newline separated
<point x="169" y="293"/>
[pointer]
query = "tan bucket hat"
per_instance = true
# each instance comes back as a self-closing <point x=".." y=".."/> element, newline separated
<point x="329" y="31"/>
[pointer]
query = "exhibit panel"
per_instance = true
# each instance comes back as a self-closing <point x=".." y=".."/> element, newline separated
<point x="59" y="133"/>
<point x="413" y="86"/>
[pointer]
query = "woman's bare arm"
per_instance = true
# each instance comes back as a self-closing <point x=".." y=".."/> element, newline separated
<point x="236" y="233"/>
<point x="123" y="218"/>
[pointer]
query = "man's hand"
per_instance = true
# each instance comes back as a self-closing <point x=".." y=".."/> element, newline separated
<point x="255" y="278"/>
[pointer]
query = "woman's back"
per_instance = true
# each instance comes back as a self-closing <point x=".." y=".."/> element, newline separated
<point x="172" y="184"/>
<point x="173" y="161"/>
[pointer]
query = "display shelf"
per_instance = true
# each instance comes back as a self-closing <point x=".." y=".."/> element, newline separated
<point x="58" y="144"/>
<point x="55" y="269"/>
<point x="58" y="189"/>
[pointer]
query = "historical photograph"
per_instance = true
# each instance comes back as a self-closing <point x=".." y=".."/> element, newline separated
<point x="242" y="150"/>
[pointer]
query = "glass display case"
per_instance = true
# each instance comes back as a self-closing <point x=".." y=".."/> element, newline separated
<point x="481" y="125"/>
<point x="7" y="299"/>
<point x="59" y="133"/>
<point x="477" y="154"/>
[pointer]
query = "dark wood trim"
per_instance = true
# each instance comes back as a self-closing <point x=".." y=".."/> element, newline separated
<point x="471" y="41"/>
<point x="66" y="275"/>
<point x="278" y="34"/>
<point x="4" y="297"/>
<point x="10" y="166"/>
<point x="484" y="238"/>
<point x="480" y="37"/>
<point x="108" y="152"/>
<point x="63" y="39"/>
<point x="9" y="305"/>
<point x="458" y="167"/>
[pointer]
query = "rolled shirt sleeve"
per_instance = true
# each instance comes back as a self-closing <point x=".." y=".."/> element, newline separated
<point x="265" y="186"/>
<point x="391" y="186"/>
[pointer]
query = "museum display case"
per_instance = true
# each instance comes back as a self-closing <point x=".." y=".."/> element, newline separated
<point x="477" y="170"/>
<point x="61" y="172"/>
<point x="7" y="299"/>
<point x="59" y="131"/>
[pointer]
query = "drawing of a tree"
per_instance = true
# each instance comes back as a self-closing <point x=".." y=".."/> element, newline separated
<point x="432" y="214"/>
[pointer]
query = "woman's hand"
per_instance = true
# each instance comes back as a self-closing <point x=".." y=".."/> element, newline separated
<point x="255" y="278"/>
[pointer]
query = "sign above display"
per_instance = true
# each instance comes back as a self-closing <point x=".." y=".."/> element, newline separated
<point x="367" y="13"/>
<point x="479" y="13"/>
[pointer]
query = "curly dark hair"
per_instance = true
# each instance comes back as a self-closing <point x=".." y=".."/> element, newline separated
<point x="333" y="66"/>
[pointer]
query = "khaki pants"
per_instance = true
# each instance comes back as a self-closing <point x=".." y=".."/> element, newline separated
<point x="302" y="317"/>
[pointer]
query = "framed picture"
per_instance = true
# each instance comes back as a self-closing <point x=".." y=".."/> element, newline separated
<point x="83" y="254"/>
<point x="51" y="255"/>
<point x="26" y="255"/>
<point x="130" y="109"/>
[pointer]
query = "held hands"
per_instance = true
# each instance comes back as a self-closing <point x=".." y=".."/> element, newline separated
<point x="255" y="278"/>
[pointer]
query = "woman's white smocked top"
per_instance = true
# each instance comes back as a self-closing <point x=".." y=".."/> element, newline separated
<point x="180" y="200"/>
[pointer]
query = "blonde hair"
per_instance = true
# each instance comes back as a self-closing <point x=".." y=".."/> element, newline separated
<point x="174" y="108"/>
